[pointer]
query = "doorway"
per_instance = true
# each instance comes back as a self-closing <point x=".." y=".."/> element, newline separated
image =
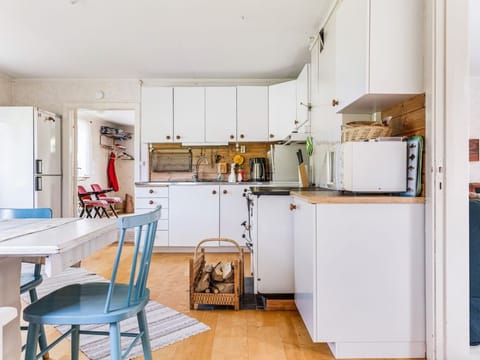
<point x="112" y="113"/>
<point x="105" y="141"/>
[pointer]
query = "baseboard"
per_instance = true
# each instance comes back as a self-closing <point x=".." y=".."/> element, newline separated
<point x="377" y="350"/>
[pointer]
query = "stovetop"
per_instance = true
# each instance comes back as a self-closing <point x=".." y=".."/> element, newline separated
<point x="282" y="190"/>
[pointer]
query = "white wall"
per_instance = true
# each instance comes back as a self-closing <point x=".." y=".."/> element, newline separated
<point x="474" y="42"/>
<point x="53" y="95"/>
<point x="5" y="91"/>
<point x="475" y="121"/>
<point x="65" y="97"/>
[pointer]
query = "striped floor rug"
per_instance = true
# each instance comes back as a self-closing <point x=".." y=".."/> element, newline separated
<point x="166" y="326"/>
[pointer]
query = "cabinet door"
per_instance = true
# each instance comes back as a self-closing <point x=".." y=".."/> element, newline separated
<point x="351" y="50"/>
<point x="233" y="212"/>
<point x="304" y="220"/>
<point x="220" y="114"/>
<point x="274" y="245"/>
<point x="189" y="114"/>
<point x="156" y="125"/>
<point x="282" y="109"/>
<point x="325" y="122"/>
<point x="252" y="113"/>
<point x="303" y="98"/>
<point x="193" y="214"/>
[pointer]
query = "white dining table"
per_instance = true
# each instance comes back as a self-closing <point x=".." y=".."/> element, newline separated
<point x="62" y="242"/>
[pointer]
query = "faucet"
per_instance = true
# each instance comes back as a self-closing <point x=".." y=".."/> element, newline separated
<point x="201" y="160"/>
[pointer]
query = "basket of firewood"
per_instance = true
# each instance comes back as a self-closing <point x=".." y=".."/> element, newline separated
<point x="216" y="283"/>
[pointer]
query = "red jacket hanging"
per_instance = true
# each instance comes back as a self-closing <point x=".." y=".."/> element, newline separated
<point x="112" y="176"/>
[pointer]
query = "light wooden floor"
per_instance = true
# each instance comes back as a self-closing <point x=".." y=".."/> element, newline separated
<point x="246" y="334"/>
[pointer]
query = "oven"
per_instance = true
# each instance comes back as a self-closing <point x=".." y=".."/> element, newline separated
<point x="269" y="235"/>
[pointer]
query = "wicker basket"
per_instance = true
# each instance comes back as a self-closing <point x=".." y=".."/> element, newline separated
<point x="197" y="264"/>
<point x="364" y="130"/>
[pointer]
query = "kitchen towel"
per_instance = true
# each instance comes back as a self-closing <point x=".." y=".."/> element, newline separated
<point x="111" y="174"/>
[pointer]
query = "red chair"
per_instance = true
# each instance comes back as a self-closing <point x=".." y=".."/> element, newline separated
<point x="99" y="207"/>
<point x="101" y="194"/>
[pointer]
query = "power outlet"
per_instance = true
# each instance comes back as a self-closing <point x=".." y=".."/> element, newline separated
<point x="242" y="149"/>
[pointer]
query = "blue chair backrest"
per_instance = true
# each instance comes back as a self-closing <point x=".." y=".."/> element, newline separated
<point x="25" y="213"/>
<point x="146" y="227"/>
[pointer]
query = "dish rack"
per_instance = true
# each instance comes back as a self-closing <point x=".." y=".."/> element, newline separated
<point x="197" y="263"/>
<point x="364" y="130"/>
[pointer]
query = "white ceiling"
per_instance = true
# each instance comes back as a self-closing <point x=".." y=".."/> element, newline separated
<point x="157" y="38"/>
<point x="121" y="117"/>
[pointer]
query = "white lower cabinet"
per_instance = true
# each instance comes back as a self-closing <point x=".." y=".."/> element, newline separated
<point x="273" y="246"/>
<point x="202" y="211"/>
<point x="194" y="213"/>
<point x="360" y="277"/>
<point x="304" y="219"/>
<point x="233" y="212"/>
<point x="148" y="198"/>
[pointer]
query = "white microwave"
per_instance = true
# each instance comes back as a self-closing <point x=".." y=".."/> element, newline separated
<point x="375" y="166"/>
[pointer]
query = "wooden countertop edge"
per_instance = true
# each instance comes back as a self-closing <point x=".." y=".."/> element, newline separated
<point x="336" y="197"/>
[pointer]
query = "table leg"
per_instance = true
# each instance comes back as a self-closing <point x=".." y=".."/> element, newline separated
<point x="10" y="344"/>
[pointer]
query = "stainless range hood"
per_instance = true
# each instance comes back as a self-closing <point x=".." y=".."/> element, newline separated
<point x="295" y="138"/>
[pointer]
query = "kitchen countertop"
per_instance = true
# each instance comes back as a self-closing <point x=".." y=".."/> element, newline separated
<point x="212" y="182"/>
<point x="276" y="189"/>
<point x="340" y="197"/>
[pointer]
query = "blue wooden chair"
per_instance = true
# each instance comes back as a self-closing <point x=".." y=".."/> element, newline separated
<point x="102" y="303"/>
<point x="29" y="280"/>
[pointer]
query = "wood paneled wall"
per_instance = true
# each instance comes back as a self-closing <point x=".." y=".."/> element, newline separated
<point x="209" y="171"/>
<point x="408" y="119"/>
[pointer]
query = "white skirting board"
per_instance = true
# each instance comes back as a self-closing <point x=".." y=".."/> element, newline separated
<point x="371" y="350"/>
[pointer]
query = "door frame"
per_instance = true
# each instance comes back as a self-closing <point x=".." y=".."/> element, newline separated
<point x="448" y="123"/>
<point x="69" y="162"/>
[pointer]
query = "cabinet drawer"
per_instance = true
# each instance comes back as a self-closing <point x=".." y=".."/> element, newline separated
<point x="151" y="191"/>
<point x="163" y="214"/>
<point x="161" y="238"/>
<point x="151" y="203"/>
<point x="162" y="224"/>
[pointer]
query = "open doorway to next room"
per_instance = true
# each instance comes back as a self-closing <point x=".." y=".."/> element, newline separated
<point x="104" y="156"/>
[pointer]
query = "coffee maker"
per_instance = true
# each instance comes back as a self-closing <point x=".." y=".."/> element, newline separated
<point x="258" y="169"/>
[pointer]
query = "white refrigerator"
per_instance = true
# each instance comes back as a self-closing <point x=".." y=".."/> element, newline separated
<point x="31" y="173"/>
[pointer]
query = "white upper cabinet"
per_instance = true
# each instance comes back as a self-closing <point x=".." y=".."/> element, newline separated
<point x="189" y="114"/>
<point x="379" y="60"/>
<point x="220" y="114"/>
<point x="156" y="125"/>
<point x="303" y="99"/>
<point x="252" y="113"/>
<point x="282" y="109"/>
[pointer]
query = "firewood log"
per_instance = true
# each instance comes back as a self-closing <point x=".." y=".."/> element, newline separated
<point x="225" y="288"/>
<point x="217" y="273"/>
<point x="227" y="271"/>
<point x="203" y="283"/>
